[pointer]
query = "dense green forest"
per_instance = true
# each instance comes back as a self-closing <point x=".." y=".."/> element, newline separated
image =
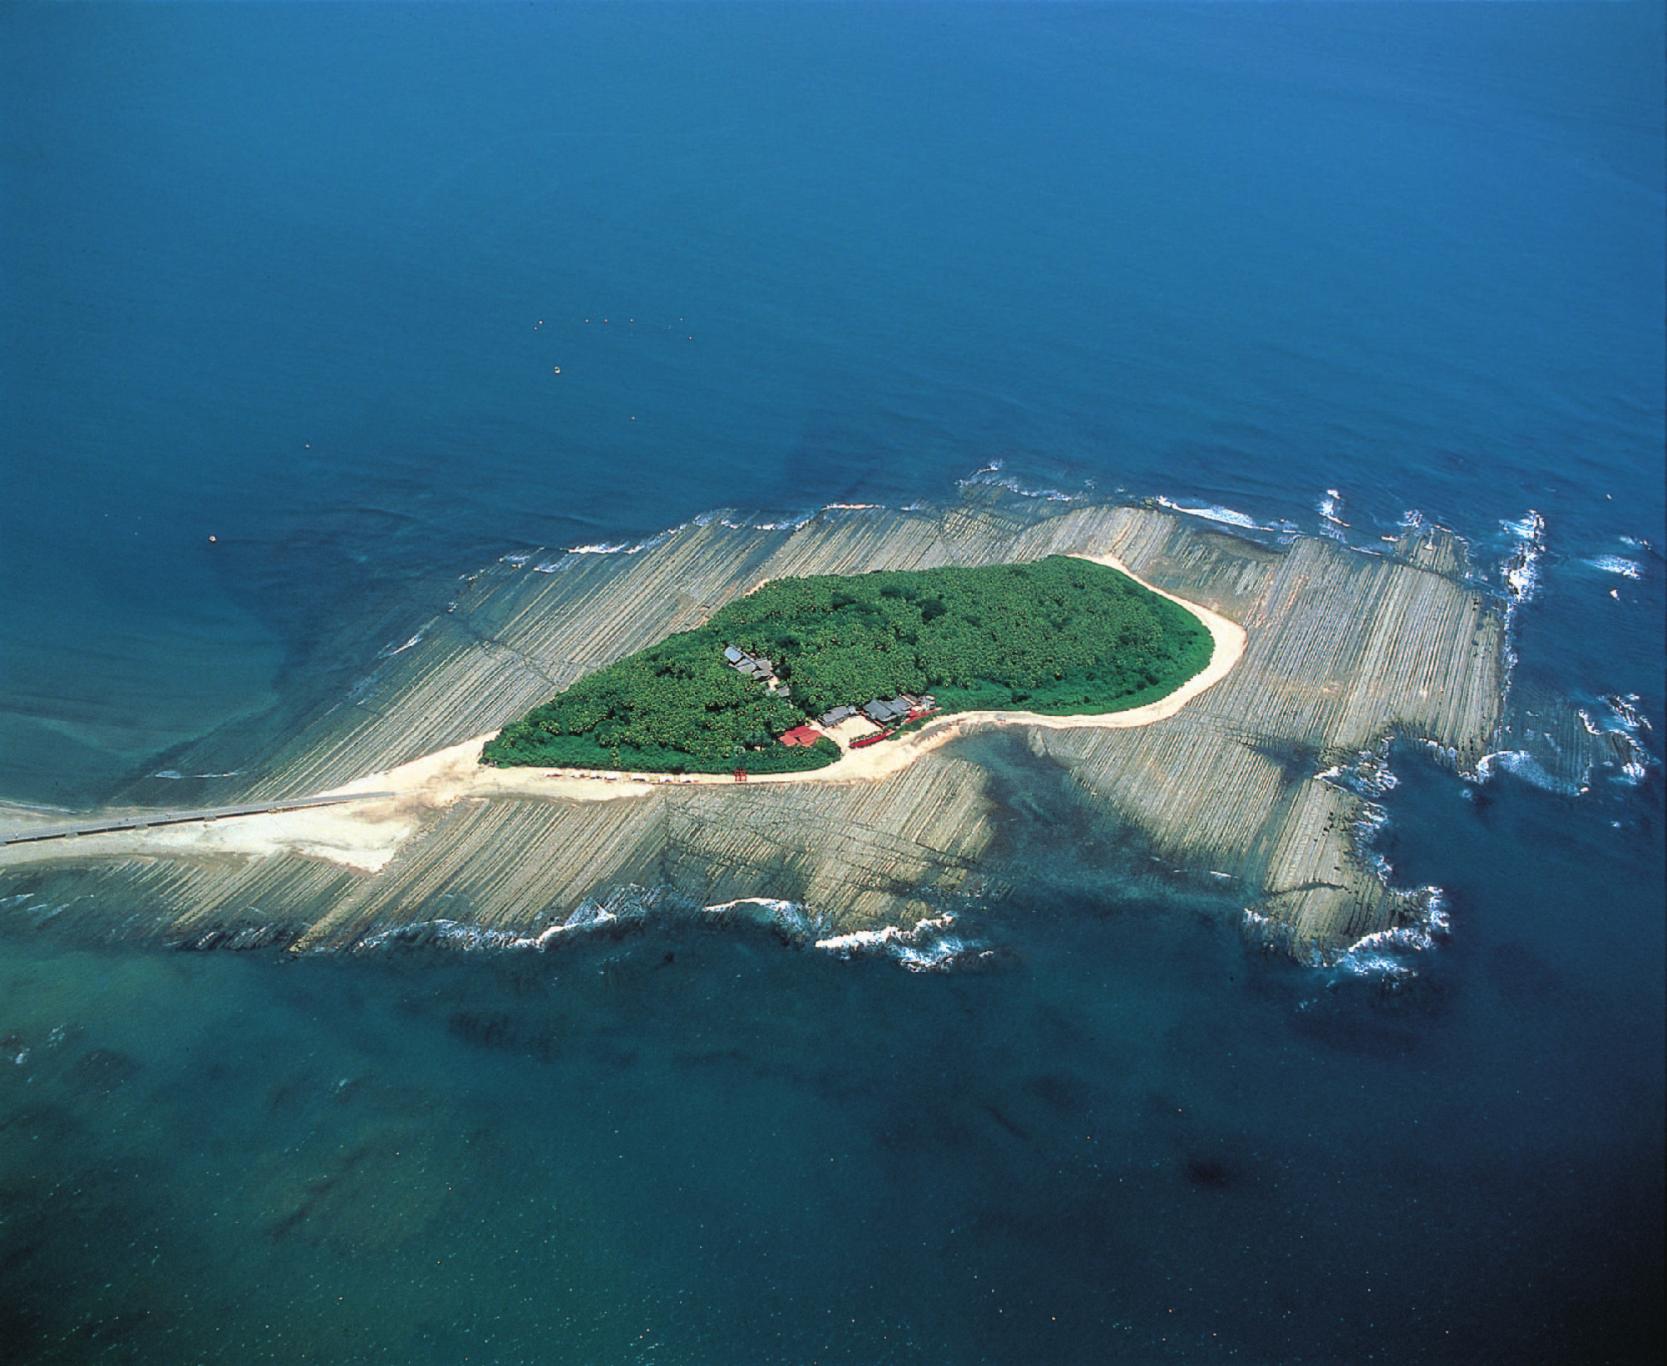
<point x="1062" y="636"/>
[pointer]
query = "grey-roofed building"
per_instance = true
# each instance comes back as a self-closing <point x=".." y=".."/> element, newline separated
<point x="733" y="655"/>
<point x="837" y="714"/>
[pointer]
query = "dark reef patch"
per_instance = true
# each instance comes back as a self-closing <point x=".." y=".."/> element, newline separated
<point x="99" y="1071"/>
<point x="1207" y="1173"/>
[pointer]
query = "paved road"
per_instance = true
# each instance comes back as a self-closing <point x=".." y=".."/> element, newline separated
<point x="143" y="820"/>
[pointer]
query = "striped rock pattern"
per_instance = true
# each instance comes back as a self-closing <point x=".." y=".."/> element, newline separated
<point x="1345" y="649"/>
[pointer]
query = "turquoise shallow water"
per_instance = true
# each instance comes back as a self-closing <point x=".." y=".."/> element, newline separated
<point x="299" y="277"/>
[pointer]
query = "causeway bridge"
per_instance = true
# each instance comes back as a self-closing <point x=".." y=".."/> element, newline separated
<point x="145" y="820"/>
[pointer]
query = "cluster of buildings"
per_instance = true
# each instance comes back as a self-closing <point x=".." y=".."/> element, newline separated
<point x="894" y="711"/>
<point x="885" y="712"/>
<point x="755" y="666"/>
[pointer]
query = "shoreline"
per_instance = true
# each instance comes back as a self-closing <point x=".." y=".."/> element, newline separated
<point x="368" y="835"/>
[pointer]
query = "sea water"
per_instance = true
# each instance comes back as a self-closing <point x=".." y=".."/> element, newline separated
<point x="301" y="280"/>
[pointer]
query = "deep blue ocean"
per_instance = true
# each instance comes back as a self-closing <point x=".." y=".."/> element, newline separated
<point x="375" y="294"/>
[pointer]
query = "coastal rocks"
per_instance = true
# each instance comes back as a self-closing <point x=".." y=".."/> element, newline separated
<point x="1344" y="649"/>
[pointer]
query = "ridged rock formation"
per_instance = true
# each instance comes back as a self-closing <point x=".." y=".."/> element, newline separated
<point x="1346" y="648"/>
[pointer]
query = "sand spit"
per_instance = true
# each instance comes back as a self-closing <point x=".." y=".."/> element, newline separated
<point x="1337" y="649"/>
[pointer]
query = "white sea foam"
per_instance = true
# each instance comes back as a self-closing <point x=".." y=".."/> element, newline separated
<point x="788" y="917"/>
<point x="1622" y="718"/>
<point x="451" y="934"/>
<point x="617" y="547"/>
<point x="929" y="947"/>
<point x="1367" y="774"/>
<point x="1211" y="512"/>
<point x="516" y="561"/>
<point x="991" y="476"/>
<point x="1614" y="720"/>
<point x="1330" y="507"/>
<point x="621" y="905"/>
<point x="1520" y="571"/>
<point x="1616" y="564"/>
<point x="1049" y="495"/>
<point x="389" y="651"/>
<point x="1521" y="764"/>
<point x="1385" y="953"/>
<point x="469" y="938"/>
<point x="1623" y="707"/>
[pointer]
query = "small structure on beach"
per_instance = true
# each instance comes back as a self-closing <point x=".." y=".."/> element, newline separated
<point x="800" y="737"/>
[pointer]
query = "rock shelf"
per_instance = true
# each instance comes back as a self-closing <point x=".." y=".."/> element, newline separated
<point x="1345" y="648"/>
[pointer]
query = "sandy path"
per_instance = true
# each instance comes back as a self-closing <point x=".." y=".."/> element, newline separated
<point x="367" y="835"/>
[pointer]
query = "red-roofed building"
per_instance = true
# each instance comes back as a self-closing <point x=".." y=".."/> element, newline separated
<point x="801" y="736"/>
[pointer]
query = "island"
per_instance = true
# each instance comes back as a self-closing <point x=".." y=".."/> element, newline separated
<point x="366" y="817"/>
<point x="786" y="678"/>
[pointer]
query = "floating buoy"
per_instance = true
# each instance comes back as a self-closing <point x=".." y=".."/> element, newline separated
<point x="555" y="369"/>
<point x="212" y="538"/>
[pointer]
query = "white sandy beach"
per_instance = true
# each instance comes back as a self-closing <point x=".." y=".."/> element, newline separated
<point x="366" y="835"/>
